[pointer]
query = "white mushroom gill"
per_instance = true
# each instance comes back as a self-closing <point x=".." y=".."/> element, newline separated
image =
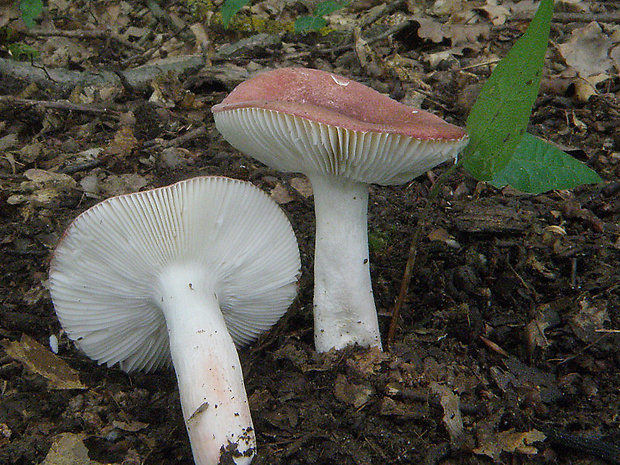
<point x="181" y="274"/>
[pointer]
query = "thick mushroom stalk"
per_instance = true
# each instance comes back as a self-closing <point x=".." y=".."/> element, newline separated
<point x="344" y="306"/>
<point x="213" y="398"/>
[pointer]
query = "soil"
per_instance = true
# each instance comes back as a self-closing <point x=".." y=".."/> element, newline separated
<point x="509" y="328"/>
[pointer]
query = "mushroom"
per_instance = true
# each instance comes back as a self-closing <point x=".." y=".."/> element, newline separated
<point x="343" y="136"/>
<point x="179" y="275"/>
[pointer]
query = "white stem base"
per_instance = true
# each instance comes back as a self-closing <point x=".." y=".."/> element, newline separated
<point x="344" y="306"/>
<point x="213" y="398"/>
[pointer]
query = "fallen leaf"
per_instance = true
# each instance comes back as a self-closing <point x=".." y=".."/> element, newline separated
<point x="281" y="195"/>
<point x="130" y="426"/>
<point x="303" y="186"/>
<point x="356" y="395"/>
<point x="42" y="361"/>
<point x="123" y="143"/>
<point x="588" y="320"/>
<point x="587" y="50"/>
<point x="510" y="441"/>
<point x="68" y="449"/>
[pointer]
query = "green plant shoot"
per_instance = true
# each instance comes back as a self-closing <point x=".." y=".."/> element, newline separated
<point x="30" y="10"/>
<point x="317" y="21"/>
<point x="230" y="9"/>
<point x="537" y="167"/>
<point x="498" y="119"/>
<point x="500" y="151"/>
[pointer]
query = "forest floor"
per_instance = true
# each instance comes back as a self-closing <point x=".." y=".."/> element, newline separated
<point x="507" y="347"/>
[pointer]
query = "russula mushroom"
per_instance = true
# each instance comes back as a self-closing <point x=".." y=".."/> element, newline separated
<point x="179" y="275"/>
<point x="343" y="136"/>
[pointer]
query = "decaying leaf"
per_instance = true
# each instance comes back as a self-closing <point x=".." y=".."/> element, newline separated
<point x="367" y="363"/>
<point x="281" y="195"/>
<point x="303" y="186"/>
<point x="589" y="53"/>
<point x="356" y="395"/>
<point x="68" y="449"/>
<point x="130" y="426"/>
<point x="43" y="362"/>
<point x="588" y="319"/>
<point x="123" y="143"/>
<point x="43" y="188"/>
<point x="587" y="50"/>
<point x="510" y="441"/>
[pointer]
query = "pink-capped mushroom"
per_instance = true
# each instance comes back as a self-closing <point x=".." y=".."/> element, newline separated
<point x="343" y="136"/>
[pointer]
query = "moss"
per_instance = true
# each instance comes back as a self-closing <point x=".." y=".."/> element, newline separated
<point x="200" y="9"/>
<point x="378" y="241"/>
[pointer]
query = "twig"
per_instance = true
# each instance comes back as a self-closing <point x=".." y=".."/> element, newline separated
<point x="584" y="17"/>
<point x="391" y="31"/>
<point x="59" y="105"/>
<point x="413" y="254"/>
<point x="372" y="18"/>
<point x="593" y="446"/>
<point x="177" y="141"/>
<point x="66" y="79"/>
<point x="77" y="167"/>
<point x="81" y="34"/>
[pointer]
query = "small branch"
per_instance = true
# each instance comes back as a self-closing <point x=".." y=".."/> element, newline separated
<point x="413" y="254"/>
<point x="584" y="17"/>
<point x="177" y="141"/>
<point x="66" y="80"/>
<point x="81" y="34"/>
<point x="593" y="446"/>
<point x="59" y="105"/>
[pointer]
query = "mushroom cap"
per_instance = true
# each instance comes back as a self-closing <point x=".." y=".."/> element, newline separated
<point x="106" y="265"/>
<point x="311" y="121"/>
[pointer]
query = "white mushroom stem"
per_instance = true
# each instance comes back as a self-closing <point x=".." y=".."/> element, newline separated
<point x="344" y="307"/>
<point x="213" y="398"/>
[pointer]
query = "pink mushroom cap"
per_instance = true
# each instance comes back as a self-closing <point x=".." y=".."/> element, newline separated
<point x="318" y="123"/>
<point x="335" y="100"/>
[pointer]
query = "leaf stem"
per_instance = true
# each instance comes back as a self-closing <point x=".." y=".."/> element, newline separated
<point x="413" y="252"/>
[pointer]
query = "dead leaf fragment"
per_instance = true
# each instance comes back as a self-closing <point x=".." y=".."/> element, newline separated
<point x="68" y="449"/>
<point x="5" y="434"/>
<point x="587" y="50"/>
<point x="281" y="195"/>
<point x="43" y="362"/>
<point x="303" y="186"/>
<point x="356" y="395"/>
<point x="589" y="320"/>
<point x="123" y="143"/>
<point x="510" y="441"/>
<point x="130" y="426"/>
<point x="42" y="188"/>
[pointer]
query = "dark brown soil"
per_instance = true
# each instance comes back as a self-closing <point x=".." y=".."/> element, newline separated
<point x="514" y="306"/>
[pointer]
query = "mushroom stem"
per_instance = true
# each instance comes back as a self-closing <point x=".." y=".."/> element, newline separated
<point x="213" y="398"/>
<point x="344" y="307"/>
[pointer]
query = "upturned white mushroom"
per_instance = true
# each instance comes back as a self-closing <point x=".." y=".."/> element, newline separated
<point x="179" y="275"/>
<point x="343" y="136"/>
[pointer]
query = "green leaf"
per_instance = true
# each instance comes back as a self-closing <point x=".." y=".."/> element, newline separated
<point x="309" y="23"/>
<point x="499" y="118"/>
<point x="31" y="9"/>
<point x="230" y="9"/>
<point x="328" y="7"/>
<point x="537" y="166"/>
